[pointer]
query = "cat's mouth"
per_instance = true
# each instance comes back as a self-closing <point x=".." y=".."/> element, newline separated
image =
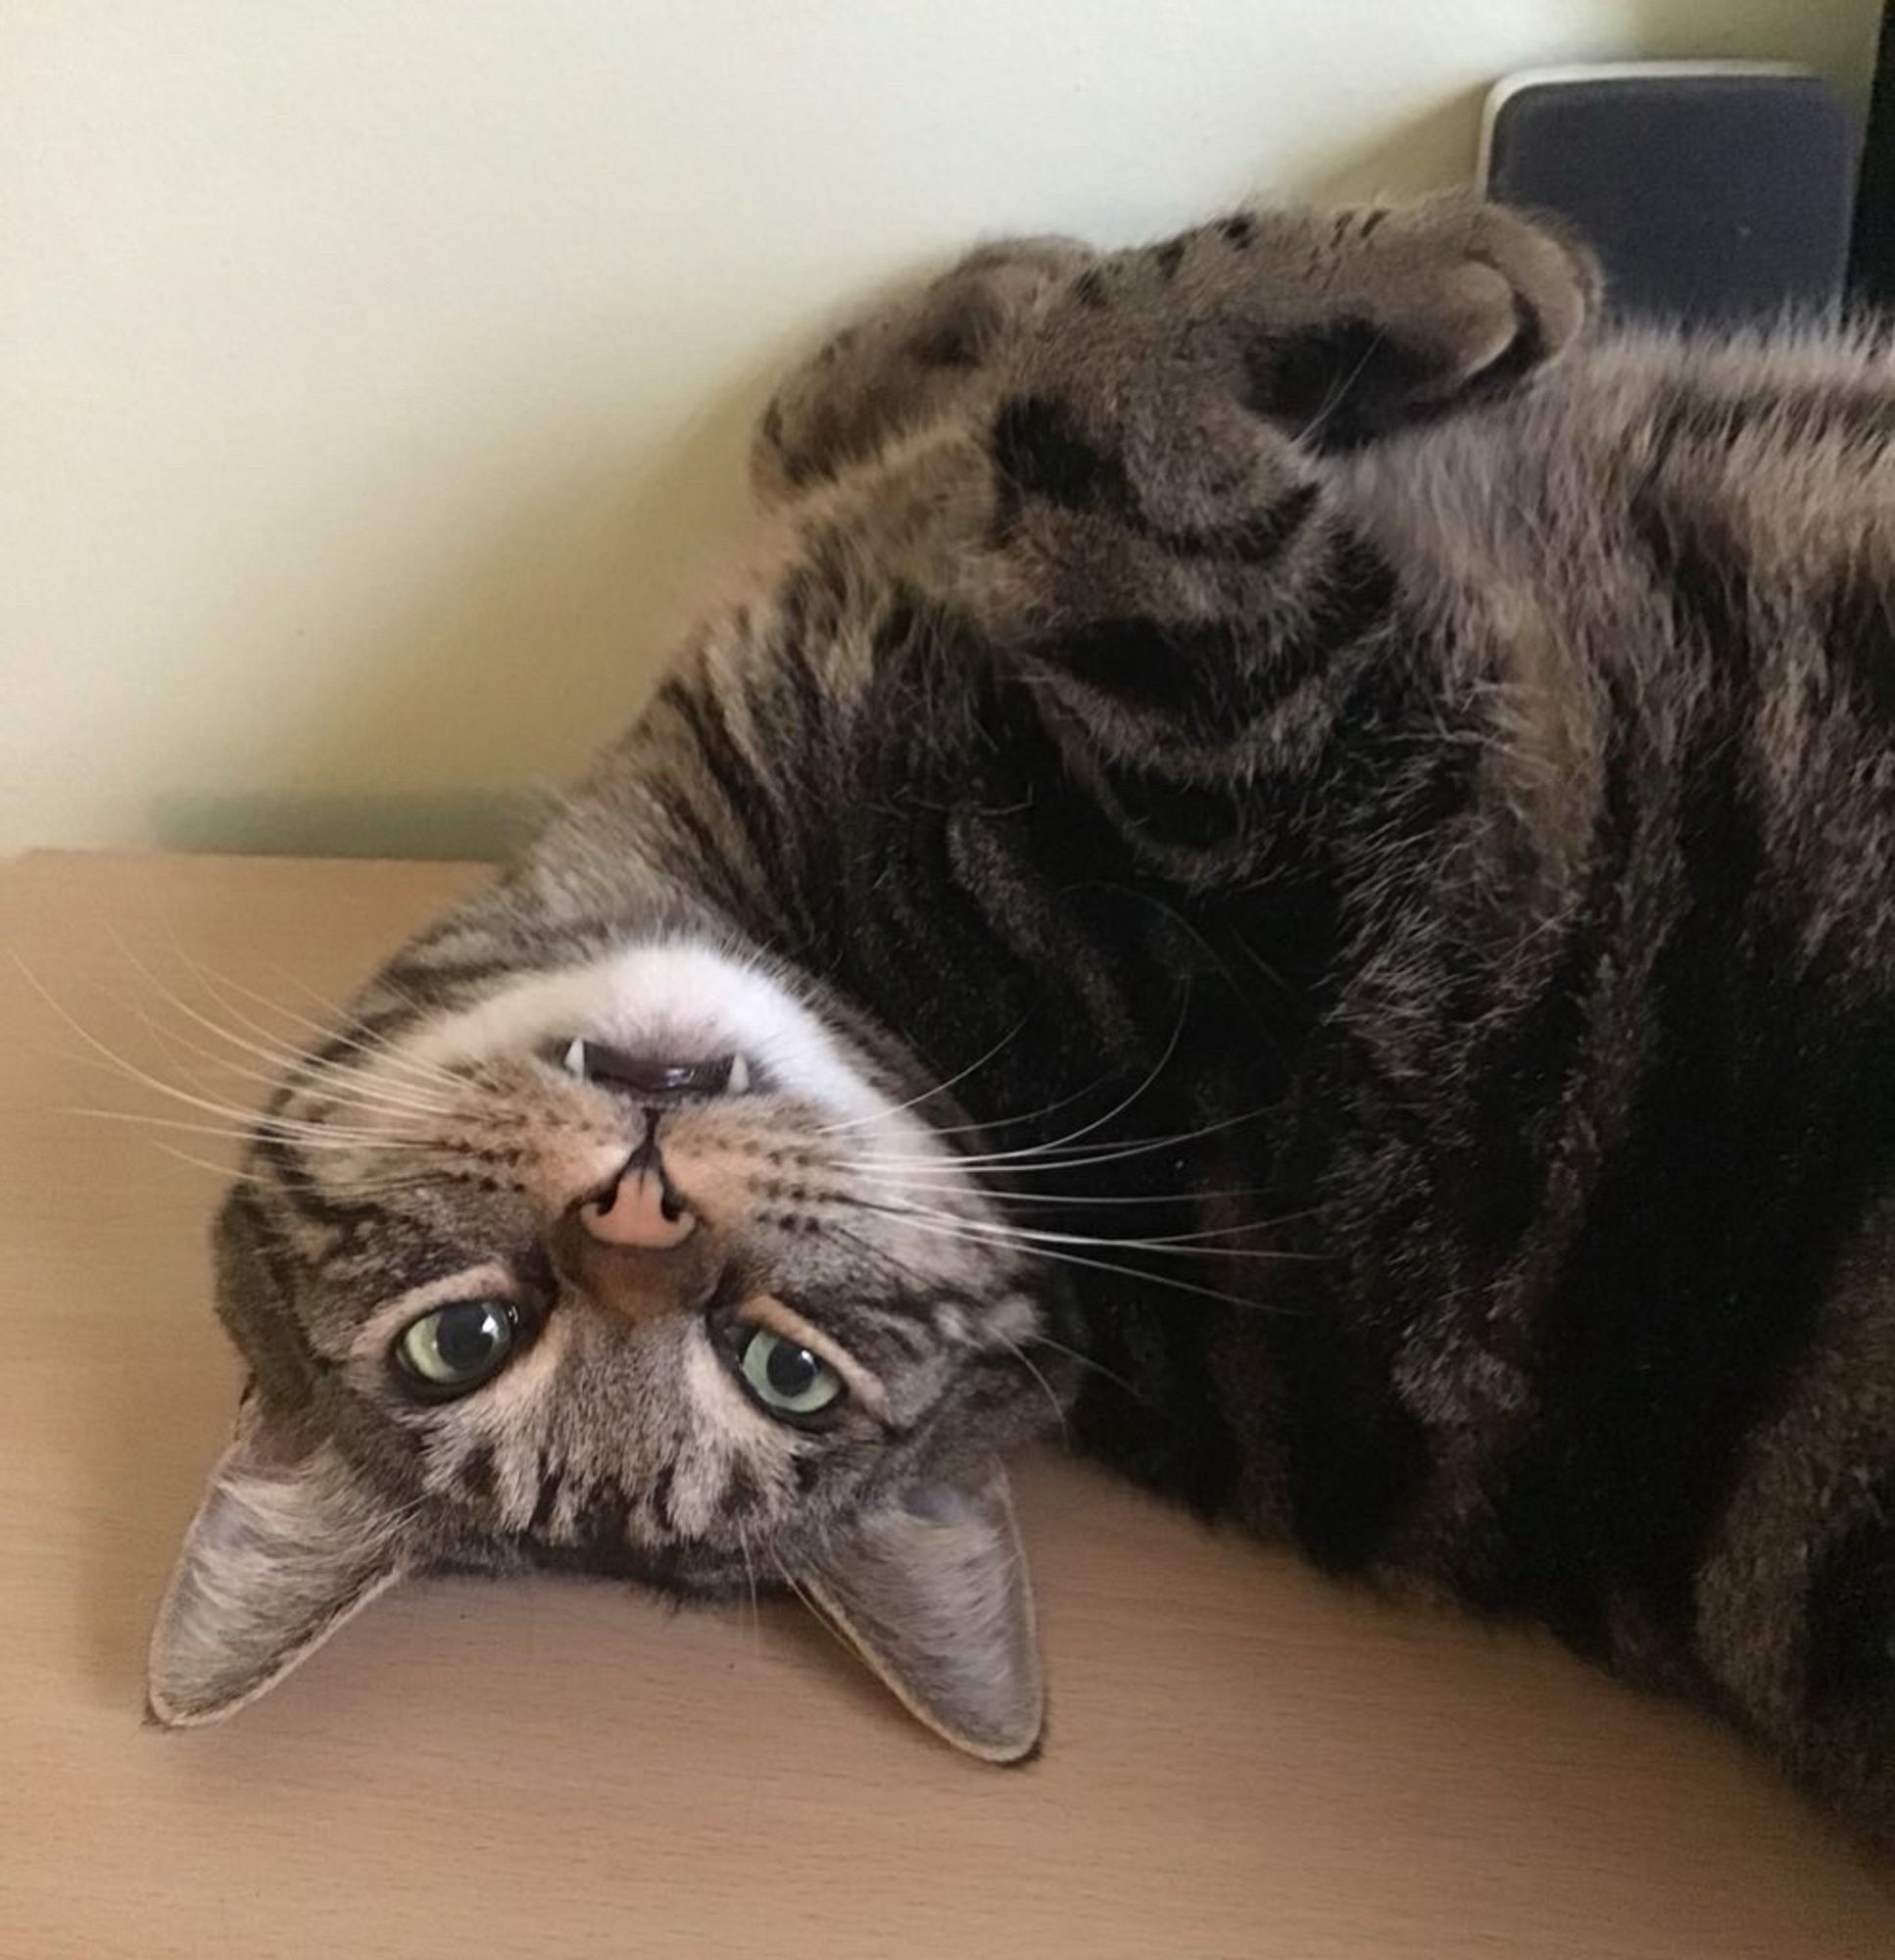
<point x="657" y="1077"/>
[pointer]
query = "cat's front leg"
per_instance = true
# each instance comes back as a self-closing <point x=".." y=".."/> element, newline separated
<point x="1366" y="321"/>
<point x="1152" y="439"/>
<point x="1114" y="468"/>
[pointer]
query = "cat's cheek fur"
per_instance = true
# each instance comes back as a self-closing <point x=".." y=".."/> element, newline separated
<point x="503" y="1420"/>
<point x="730" y="1432"/>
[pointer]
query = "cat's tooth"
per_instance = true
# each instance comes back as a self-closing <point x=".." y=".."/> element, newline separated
<point x="573" y="1061"/>
<point x="740" y="1077"/>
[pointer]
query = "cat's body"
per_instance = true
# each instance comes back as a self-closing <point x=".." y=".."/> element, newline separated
<point x="1394" y="861"/>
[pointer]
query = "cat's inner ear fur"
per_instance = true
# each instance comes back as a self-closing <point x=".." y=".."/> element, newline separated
<point x="287" y="1544"/>
<point x="932" y="1590"/>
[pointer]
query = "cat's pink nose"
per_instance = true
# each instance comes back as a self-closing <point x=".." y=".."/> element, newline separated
<point x="641" y="1213"/>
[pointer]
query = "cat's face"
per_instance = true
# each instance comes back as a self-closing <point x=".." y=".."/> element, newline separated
<point x="638" y="1265"/>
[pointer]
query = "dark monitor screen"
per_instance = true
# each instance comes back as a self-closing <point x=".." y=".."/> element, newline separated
<point x="1872" y="251"/>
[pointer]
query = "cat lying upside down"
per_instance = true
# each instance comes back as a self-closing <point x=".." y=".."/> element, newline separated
<point x="1279" y="845"/>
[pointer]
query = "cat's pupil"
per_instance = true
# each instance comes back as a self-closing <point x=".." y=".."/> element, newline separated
<point x="791" y="1370"/>
<point x="466" y="1336"/>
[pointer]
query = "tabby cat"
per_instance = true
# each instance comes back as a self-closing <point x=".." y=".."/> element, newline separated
<point x="1277" y="845"/>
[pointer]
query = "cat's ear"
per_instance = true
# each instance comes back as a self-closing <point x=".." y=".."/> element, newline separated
<point x="287" y="1544"/>
<point x="932" y="1590"/>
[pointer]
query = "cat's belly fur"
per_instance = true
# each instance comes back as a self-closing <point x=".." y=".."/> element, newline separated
<point x="1580" y="1085"/>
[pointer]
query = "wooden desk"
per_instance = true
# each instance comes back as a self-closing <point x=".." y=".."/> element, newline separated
<point x="1243" y="1761"/>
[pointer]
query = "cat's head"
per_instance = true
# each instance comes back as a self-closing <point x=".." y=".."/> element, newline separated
<point x="637" y="1259"/>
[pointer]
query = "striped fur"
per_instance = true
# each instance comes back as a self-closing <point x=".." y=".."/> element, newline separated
<point x="1391" y="802"/>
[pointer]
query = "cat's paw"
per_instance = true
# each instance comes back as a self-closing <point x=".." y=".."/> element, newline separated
<point x="1419" y="311"/>
<point x="904" y="366"/>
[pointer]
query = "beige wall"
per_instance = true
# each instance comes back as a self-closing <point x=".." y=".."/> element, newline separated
<point x="376" y="371"/>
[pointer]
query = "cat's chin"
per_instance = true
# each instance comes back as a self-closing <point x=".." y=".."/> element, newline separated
<point x="684" y="1004"/>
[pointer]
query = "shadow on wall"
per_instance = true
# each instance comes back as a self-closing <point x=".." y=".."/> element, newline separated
<point x="1432" y="151"/>
<point x="450" y="823"/>
<point x="533" y="643"/>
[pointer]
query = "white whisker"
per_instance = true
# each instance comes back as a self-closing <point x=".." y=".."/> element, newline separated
<point x="315" y="1139"/>
<point x="420" y="1074"/>
<point x="273" y="1050"/>
<point x="1139" y="1273"/>
<point x="1028" y="1116"/>
<point x="1072" y="1137"/>
<point x="838" y="1631"/>
<point x="1186" y="1243"/>
<point x="227" y="1172"/>
<point x="1019" y="1353"/>
<point x="130" y="1071"/>
<point x="353" y="1096"/>
<point x="287" y="1061"/>
<point x="1039" y="1161"/>
<point x="247" y="1118"/>
<point x="939" y="1089"/>
<point x="1087" y="1361"/>
<point x="959" y="1186"/>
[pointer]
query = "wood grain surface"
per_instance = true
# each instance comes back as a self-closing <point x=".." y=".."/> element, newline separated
<point x="1243" y="1759"/>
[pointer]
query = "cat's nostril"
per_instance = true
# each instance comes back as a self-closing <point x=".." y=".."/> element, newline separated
<point x="640" y="1212"/>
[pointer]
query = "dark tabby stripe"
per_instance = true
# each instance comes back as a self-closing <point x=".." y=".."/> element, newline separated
<point x="294" y="1181"/>
<point x="1151" y="1404"/>
<point x="1359" y="1458"/>
<point x="552" y="1475"/>
<point x="1336" y="384"/>
<point x="1861" y="643"/>
<point x="730" y="772"/>
<point x="1695" y="1285"/>
<point x="1040" y="450"/>
<point x="261" y="1280"/>
<point x="1159" y="804"/>
<point x="1849" y="1649"/>
<point x="476" y="1472"/>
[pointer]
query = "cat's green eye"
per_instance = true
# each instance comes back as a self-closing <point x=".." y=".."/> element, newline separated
<point x="787" y="1379"/>
<point x="456" y="1348"/>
